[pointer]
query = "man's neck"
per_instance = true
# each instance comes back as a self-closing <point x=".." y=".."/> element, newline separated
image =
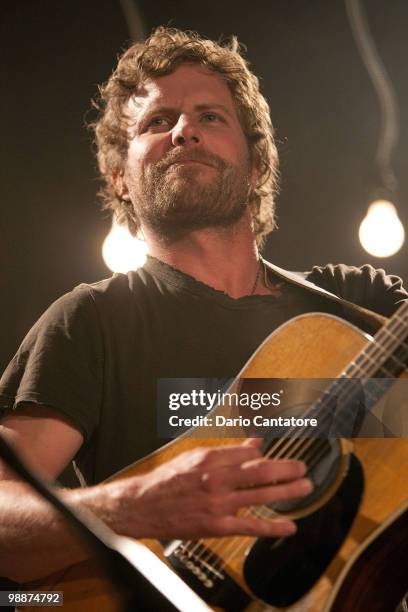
<point x="226" y="259"/>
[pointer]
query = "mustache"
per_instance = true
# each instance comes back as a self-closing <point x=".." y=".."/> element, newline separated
<point x="192" y="155"/>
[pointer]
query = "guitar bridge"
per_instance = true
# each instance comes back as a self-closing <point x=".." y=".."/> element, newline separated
<point x="204" y="571"/>
<point x="197" y="559"/>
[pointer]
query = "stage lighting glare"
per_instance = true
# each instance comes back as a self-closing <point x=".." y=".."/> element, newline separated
<point x="381" y="232"/>
<point x="121" y="251"/>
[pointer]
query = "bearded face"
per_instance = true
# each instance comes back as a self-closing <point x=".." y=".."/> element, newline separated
<point x="188" y="164"/>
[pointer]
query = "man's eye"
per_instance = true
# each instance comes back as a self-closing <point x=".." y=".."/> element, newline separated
<point x="211" y="117"/>
<point x="158" y="122"/>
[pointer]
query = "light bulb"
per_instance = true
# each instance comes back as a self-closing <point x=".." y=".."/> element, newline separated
<point x="381" y="232"/>
<point x="121" y="251"/>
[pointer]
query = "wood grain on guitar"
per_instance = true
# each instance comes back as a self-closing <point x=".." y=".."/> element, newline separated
<point x="368" y="489"/>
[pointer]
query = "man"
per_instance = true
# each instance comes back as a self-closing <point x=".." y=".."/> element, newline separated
<point x="186" y="149"/>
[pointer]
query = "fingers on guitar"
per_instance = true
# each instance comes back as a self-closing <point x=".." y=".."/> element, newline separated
<point x="254" y="473"/>
<point x="277" y="528"/>
<point x="227" y="455"/>
<point x="273" y="493"/>
<point x="265" y="471"/>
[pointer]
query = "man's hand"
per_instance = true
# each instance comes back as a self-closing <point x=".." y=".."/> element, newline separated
<point x="200" y="493"/>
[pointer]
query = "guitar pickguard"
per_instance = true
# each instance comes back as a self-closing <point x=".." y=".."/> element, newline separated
<point x="291" y="566"/>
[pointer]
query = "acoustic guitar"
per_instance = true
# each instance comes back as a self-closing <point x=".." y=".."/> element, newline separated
<point x="350" y="551"/>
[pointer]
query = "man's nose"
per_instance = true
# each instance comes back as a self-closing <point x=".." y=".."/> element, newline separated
<point x="186" y="132"/>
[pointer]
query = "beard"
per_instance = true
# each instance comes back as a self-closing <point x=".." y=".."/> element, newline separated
<point x="174" y="200"/>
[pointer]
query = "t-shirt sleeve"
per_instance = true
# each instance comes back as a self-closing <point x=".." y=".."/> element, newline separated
<point x="365" y="286"/>
<point x="59" y="363"/>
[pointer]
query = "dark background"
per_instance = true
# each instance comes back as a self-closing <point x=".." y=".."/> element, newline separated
<point x="322" y="103"/>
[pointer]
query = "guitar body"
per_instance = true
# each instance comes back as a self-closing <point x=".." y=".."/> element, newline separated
<point x="381" y="560"/>
<point x="368" y="488"/>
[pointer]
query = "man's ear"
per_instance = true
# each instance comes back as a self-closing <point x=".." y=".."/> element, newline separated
<point x="120" y="186"/>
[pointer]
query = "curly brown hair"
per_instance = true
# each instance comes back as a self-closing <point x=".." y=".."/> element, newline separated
<point x="159" y="55"/>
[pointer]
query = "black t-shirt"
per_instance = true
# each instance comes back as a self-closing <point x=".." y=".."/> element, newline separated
<point x="95" y="355"/>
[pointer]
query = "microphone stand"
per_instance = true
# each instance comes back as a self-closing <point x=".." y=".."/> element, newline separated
<point x="131" y="567"/>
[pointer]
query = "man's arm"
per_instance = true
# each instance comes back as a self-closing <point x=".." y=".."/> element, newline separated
<point x="197" y="494"/>
<point x="34" y="539"/>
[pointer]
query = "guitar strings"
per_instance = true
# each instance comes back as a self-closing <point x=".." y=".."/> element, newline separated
<point x="393" y="338"/>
